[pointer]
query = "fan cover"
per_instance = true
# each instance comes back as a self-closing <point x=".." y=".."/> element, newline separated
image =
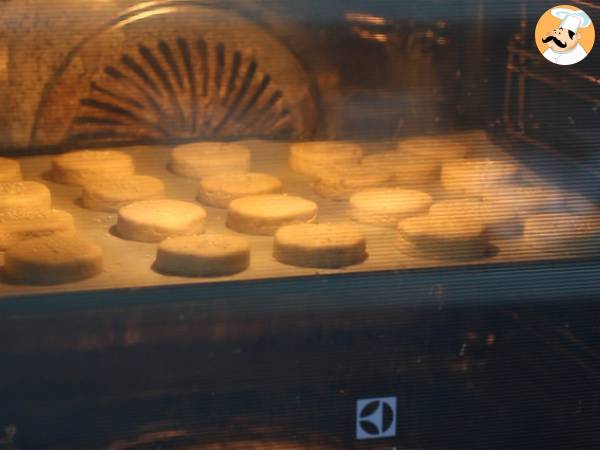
<point x="176" y="71"/>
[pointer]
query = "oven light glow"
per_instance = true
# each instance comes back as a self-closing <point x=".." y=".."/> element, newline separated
<point x="365" y="18"/>
<point x="366" y="34"/>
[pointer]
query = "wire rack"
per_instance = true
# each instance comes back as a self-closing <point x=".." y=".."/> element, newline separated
<point x="555" y="108"/>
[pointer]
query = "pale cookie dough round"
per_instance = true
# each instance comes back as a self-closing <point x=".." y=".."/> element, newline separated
<point x="476" y="176"/>
<point x="16" y="227"/>
<point x="156" y="220"/>
<point x="264" y="214"/>
<point x="562" y="233"/>
<point x="10" y="170"/>
<point x="341" y="183"/>
<point x="220" y="190"/>
<point x="501" y="222"/>
<point x="320" y="245"/>
<point x="387" y="206"/>
<point x="24" y="196"/>
<point x="202" y="159"/>
<point x="311" y="158"/>
<point x="59" y="258"/>
<point x="444" y="238"/>
<point x="409" y="170"/>
<point x="203" y="255"/>
<point x="439" y="148"/>
<point x="77" y="168"/>
<point x="111" y="195"/>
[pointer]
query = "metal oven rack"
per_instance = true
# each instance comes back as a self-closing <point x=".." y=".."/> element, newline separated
<point x="527" y="73"/>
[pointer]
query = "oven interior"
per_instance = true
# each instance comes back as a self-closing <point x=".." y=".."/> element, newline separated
<point x="496" y="352"/>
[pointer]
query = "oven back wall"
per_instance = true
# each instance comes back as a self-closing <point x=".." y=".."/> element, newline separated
<point x="344" y="69"/>
<point x="90" y="74"/>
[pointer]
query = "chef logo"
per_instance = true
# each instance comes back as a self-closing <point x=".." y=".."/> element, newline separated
<point x="565" y="35"/>
<point x="376" y="418"/>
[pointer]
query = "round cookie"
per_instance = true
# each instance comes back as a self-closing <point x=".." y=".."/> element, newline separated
<point x="443" y="237"/>
<point x="77" y="168"/>
<point x="264" y="214"/>
<point x="203" y="255"/>
<point x="111" y="195"/>
<point x="562" y="233"/>
<point x="320" y="245"/>
<point x="476" y="176"/>
<point x="220" y="190"/>
<point x="156" y="220"/>
<point x="55" y="259"/>
<point x="341" y="183"/>
<point x="10" y="170"/>
<point x="439" y="148"/>
<point x="16" y="227"/>
<point x="500" y="221"/>
<point x="24" y="196"/>
<point x="409" y="170"/>
<point x="387" y="206"/>
<point x="202" y="159"/>
<point x="312" y="158"/>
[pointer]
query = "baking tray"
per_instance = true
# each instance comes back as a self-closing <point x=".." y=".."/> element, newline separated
<point x="129" y="264"/>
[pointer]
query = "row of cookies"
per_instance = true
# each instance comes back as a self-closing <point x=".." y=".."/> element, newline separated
<point x="184" y="250"/>
<point x="178" y="226"/>
<point x="109" y="183"/>
<point x="483" y="199"/>
<point x="383" y="188"/>
<point x="340" y="169"/>
<point x="488" y="202"/>
<point x="256" y="206"/>
<point x="40" y="243"/>
<point x="478" y="213"/>
<point x="52" y="256"/>
<point x="107" y="177"/>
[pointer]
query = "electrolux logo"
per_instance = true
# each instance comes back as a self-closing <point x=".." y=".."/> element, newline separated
<point x="376" y="418"/>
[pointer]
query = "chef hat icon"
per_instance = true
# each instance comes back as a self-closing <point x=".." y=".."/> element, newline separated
<point x="572" y="19"/>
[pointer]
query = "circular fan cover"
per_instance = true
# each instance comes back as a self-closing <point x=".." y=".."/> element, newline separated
<point x="174" y="71"/>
